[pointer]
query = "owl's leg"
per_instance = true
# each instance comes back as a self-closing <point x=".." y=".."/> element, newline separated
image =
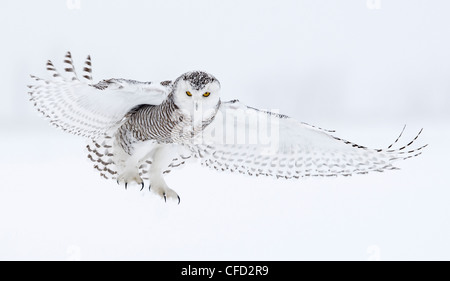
<point x="128" y="165"/>
<point x="130" y="173"/>
<point x="162" y="157"/>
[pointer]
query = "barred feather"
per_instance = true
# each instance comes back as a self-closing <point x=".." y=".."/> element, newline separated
<point x="69" y="68"/>
<point x="52" y="70"/>
<point x="87" y="69"/>
<point x="101" y="155"/>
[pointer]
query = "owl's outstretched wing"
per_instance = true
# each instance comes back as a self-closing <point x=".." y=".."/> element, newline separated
<point x="255" y="142"/>
<point x="87" y="109"/>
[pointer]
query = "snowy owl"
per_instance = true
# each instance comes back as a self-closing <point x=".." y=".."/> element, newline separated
<point x="138" y="131"/>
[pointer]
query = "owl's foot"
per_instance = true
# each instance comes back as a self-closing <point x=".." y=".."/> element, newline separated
<point x="129" y="177"/>
<point x="165" y="192"/>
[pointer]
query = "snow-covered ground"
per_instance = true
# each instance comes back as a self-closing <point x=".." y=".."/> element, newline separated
<point x="361" y="69"/>
<point x="54" y="206"/>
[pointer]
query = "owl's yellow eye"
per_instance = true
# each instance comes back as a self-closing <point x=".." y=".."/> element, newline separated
<point x="188" y="93"/>
<point x="206" y="94"/>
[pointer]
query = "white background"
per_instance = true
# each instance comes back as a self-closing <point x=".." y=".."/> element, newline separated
<point x="362" y="68"/>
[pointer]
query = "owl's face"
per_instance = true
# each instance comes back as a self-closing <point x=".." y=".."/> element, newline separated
<point x="197" y="93"/>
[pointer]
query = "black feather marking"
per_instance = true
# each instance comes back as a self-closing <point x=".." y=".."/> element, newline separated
<point x="410" y="143"/>
<point x="401" y="133"/>
<point x="198" y="79"/>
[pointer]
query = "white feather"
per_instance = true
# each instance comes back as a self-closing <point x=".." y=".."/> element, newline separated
<point x="90" y="110"/>
<point x="291" y="149"/>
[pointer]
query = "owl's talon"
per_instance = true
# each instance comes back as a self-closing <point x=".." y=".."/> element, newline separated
<point x="129" y="177"/>
<point x="165" y="193"/>
<point x="142" y="186"/>
<point x="149" y="187"/>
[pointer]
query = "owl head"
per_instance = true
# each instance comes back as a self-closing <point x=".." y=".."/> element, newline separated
<point x="197" y="93"/>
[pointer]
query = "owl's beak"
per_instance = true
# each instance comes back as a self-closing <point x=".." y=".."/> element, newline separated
<point x="197" y="106"/>
<point x="197" y="111"/>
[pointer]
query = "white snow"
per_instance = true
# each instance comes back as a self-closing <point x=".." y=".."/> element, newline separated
<point x="52" y="202"/>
